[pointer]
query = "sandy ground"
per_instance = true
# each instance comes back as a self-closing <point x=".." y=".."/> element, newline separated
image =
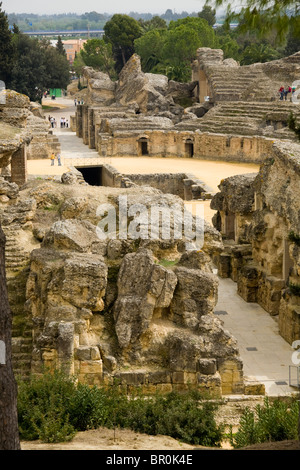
<point x="124" y="439"/>
<point x="108" y="439"/>
<point x="210" y="172"/>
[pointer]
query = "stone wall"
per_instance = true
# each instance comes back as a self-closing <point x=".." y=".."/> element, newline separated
<point x="173" y="144"/>
<point x="184" y="185"/>
<point x="268" y="260"/>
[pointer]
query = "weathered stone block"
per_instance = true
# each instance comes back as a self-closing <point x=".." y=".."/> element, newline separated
<point x="207" y="366"/>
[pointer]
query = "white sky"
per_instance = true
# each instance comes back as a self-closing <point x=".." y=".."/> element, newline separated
<point x="112" y="6"/>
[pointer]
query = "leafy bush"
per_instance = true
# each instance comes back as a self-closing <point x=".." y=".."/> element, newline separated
<point x="43" y="407"/>
<point x="54" y="407"/>
<point x="294" y="237"/>
<point x="294" y="289"/>
<point x="270" y="422"/>
<point x="186" y="417"/>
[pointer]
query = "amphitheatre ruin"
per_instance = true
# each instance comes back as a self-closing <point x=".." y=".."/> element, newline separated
<point x="143" y="311"/>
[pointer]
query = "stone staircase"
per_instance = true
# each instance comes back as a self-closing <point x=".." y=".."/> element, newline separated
<point x="17" y="269"/>
<point x="246" y="118"/>
<point x="227" y="86"/>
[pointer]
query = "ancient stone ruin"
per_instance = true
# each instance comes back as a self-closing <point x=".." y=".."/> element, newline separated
<point x="139" y="311"/>
<point x="24" y="135"/>
<point x="258" y="216"/>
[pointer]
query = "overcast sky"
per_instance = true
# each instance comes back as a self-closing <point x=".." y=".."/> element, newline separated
<point x="111" y="6"/>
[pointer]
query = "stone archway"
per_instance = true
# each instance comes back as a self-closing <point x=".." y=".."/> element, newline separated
<point x="143" y="148"/>
<point x="189" y="148"/>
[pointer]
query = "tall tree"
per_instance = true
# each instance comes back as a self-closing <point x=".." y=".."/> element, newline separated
<point x="209" y="14"/>
<point x="6" y="48"/>
<point x="9" y="434"/>
<point x="60" y="47"/>
<point x="121" y="32"/>
<point x="149" y="47"/>
<point x="38" y="66"/>
<point x="98" y="54"/>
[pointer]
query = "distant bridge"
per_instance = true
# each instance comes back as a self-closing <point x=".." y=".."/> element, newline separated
<point x="80" y="32"/>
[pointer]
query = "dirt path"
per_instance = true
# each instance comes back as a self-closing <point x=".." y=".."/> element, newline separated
<point x="108" y="439"/>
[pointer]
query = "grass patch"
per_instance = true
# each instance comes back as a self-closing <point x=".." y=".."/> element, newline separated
<point x="168" y="263"/>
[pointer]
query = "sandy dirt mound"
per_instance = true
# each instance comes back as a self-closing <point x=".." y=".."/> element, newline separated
<point x="108" y="439"/>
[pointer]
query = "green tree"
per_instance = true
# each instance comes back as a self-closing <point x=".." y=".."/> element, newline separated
<point x="38" y="66"/>
<point x="230" y="47"/>
<point x="183" y="38"/>
<point x="57" y="68"/>
<point x="205" y="32"/>
<point x="179" y="51"/>
<point x="263" y="16"/>
<point x="121" y="32"/>
<point x="293" y="40"/>
<point x="78" y="64"/>
<point x="29" y="72"/>
<point x="60" y="47"/>
<point x="258" y="53"/>
<point x="209" y="14"/>
<point x="6" y="49"/>
<point x="97" y="53"/>
<point x="149" y="47"/>
<point x="155" y="23"/>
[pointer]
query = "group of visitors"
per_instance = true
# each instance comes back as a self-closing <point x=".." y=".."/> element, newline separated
<point x="283" y="92"/>
<point x="57" y="157"/>
<point x="64" y="122"/>
<point x="52" y="121"/>
<point x="76" y="101"/>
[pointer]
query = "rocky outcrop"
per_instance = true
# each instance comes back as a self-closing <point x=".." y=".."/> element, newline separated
<point x="101" y="89"/>
<point x="142" y="90"/>
<point x="143" y="287"/>
<point x="139" y="311"/>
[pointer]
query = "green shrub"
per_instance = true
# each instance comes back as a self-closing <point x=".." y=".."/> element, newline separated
<point x="294" y="289"/>
<point x="186" y="417"/>
<point x="270" y="422"/>
<point x="294" y="237"/>
<point x="87" y="408"/>
<point x="54" y="407"/>
<point x="42" y="407"/>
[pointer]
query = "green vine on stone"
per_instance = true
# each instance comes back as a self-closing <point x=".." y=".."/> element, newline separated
<point x="294" y="237"/>
<point x="294" y="289"/>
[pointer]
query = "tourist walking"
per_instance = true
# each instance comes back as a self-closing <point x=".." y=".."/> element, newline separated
<point x="58" y="159"/>
<point x="281" y="91"/>
<point x="287" y="90"/>
<point x="52" y="159"/>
